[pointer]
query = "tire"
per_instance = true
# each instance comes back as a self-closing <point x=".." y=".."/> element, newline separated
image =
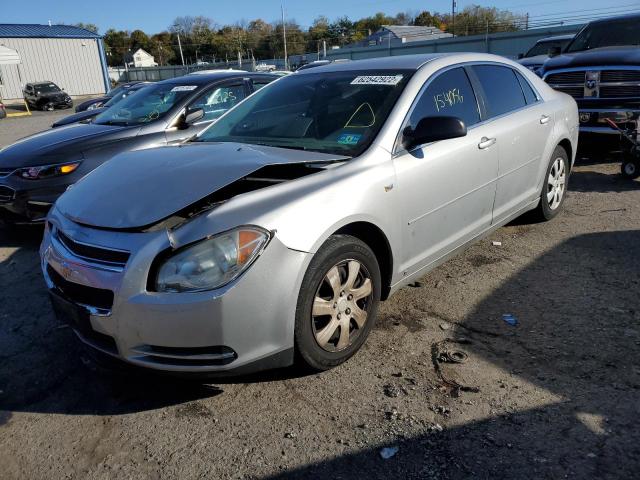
<point x="548" y="209"/>
<point x="630" y="169"/>
<point x="319" y="339"/>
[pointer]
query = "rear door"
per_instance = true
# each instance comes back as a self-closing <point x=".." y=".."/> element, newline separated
<point x="522" y="124"/>
<point x="447" y="187"/>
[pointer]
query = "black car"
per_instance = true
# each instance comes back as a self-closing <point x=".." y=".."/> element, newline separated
<point x="3" y="111"/>
<point x="98" y="102"/>
<point x="36" y="170"/>
<point x="90" y="113"/>
<point x="600" y="68"/>
<point x="46" y="96"/>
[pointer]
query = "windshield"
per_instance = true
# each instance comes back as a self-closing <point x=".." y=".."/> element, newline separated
<point x="330" y="112"/>
<point x="543" y="48"/>
<point x="609" y="34"/>
<point x="153" y="103"/>
<point x="47" y="88"/>
<point x="121" y="96"/>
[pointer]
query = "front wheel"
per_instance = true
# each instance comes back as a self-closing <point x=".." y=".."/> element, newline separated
<point x="337" y="303"/>
<point x="554" y="186"/>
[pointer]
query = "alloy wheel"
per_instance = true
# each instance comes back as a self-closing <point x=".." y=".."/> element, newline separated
<point x="556" y="183"/>
<point x="340" y="305"/>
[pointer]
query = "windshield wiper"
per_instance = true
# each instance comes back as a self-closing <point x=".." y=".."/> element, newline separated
<point x="113" y="123"/>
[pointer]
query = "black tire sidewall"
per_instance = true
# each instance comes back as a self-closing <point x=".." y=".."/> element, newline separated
<point x="334" y="250"/>
<point x="544" y="208"/>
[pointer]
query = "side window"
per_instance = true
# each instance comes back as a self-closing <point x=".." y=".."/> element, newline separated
<point x="217" y="101"/>
<point x="449" y="94"/>
<point x="529" y="95"/>
<point x="259" y="83"/>
<point x="501" y="88"/>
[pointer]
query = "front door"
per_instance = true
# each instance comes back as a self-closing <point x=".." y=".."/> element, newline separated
<point x="447" y="187"/>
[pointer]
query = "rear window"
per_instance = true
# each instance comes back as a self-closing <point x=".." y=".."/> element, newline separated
<point x="501" y="87"/>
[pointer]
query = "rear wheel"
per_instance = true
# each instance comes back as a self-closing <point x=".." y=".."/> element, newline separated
<point x="554" y="186"/>
<point x="337" y="303"/>
<point x="630" y="169"/>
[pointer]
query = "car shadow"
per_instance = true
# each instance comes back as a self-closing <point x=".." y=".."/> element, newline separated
<point x="576" y="342"/>
<point x="592" y="181"/>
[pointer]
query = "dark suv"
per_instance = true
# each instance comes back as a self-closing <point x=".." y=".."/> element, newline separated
<point x="46" y="96"/>
<point x="600" y="68"/>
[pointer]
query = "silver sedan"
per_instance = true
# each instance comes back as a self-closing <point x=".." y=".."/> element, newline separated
<point x="275" y="233"/>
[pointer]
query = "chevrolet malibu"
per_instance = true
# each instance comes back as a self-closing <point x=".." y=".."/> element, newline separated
<point x="274" y="234"/>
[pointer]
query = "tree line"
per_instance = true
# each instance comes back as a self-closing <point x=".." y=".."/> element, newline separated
<point x="204" y="40"/>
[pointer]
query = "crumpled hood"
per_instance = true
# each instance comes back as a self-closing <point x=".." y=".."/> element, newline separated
<point x="597" y="57"/>
<point x="36" y="149"/>
<point x="138" y="189"/>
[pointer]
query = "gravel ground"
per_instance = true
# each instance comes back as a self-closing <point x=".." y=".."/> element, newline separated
<point x="554" y="396"/>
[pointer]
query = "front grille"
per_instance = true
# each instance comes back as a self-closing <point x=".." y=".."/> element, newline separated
<point x="610" y="76"/>
<point x="575" y="92"/>
<point x="81" y="294"/>
<point x="619" y="91"/>
<point x="6" y="194"/>
<point x="565" y="78"/>
<point x="186" y="356"/>
<point x="93" y="253"/>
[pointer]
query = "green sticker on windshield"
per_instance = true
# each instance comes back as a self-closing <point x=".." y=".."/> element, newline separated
<point x="349" y="138"/>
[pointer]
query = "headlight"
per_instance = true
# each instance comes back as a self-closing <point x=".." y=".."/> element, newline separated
<point x="211" y="263"/>
<point x="46" y="171"/>
<point x="93" y="106"/>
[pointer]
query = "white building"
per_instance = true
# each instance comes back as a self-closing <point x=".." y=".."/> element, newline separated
<point x="141" y="58"/>
<point x="71" y="57"/>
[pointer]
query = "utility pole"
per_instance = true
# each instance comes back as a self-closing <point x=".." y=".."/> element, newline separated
<point x="453" y="17"/>
<point x="180" y="47"/>
<point x="527" y="23"/>
<point x="284" y="38"/>
<point x="324" y="49"/>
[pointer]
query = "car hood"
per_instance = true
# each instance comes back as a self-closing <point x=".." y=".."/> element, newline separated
<point x="39" y="149"/>
<point x="78" y="117"/>
<point x="84" y="105"/>
<point x="535" y="60"/>
<point x="138" y="189"/>
<point x="596" y="57"/>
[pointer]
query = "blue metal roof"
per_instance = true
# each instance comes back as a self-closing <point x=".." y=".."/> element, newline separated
<point x="25" y="30"/>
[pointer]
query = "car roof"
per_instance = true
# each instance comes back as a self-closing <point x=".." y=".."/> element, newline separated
<point x="631" y="16"/>
<point x="556" y="38"/>
<point x="44" y="82"/>
<point x="404" y="62"/>
<point x="207" y="78"/>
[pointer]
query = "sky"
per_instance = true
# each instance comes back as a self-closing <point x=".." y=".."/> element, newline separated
<point x="157" y="15"/>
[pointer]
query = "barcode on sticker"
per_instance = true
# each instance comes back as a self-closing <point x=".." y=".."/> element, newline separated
<point x="377" y="80"/>
<point x="184" y="88"/>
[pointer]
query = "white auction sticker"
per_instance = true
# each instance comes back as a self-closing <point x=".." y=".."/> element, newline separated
<point x="184" y="88"/>
<point x="377" y="80"/>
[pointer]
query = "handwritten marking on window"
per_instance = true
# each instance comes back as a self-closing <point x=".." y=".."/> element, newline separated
<point x="448" y="98"/>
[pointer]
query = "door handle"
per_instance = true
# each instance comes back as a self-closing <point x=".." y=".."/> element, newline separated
<point x="544" y="119"/>
<point x="486" y="142"/>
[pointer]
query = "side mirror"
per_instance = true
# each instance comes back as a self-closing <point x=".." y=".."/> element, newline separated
<point x="432" y="129"/>
<point x="192" y="115"/>
<point x="555" y="51"/>
<point x="520" y="55"/>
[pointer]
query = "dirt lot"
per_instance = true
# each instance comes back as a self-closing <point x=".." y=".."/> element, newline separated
<point x="554" y="396"/>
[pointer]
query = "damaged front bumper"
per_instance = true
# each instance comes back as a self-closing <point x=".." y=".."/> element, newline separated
<point x="245" y="326"/>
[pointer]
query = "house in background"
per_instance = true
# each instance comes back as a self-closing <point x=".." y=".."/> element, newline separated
<point x="69" y="56"/>
<point x="395" y="35"/>
<point x="141" y="58"/>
